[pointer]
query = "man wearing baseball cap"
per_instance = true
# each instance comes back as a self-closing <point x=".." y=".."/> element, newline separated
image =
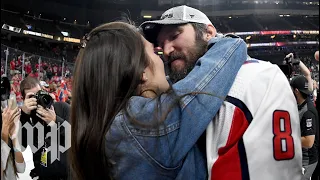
<point x="175" y="21"/>
<point x="308" y="123"/>
<point x="233" y="150"/>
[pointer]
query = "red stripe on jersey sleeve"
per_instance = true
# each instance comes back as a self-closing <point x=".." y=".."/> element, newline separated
<point x="228" y="165"/>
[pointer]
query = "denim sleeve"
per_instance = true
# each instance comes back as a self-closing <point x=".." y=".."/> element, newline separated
<point x="218" y="66"/>
<point x="182" y="123"/>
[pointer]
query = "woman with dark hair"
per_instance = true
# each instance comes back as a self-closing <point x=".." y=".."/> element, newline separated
<point x="12" y="161"/>
<point x="128" y="123"/>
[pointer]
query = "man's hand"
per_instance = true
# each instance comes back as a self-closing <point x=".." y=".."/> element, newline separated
<point x="46" y="115"/>
<point x="290" y="56"/>
<point x="292" y="59"/>
<point x="29" y="103"/>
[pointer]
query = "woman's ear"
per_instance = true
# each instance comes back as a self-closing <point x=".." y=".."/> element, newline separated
<point x="144" y="77"/>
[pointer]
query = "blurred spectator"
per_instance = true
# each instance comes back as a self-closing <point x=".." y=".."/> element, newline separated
<point x="12" y="67"/>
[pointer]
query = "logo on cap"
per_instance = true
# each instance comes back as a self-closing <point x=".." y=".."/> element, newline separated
<point x="167" y="16"/>
<point x="191" y="16"/>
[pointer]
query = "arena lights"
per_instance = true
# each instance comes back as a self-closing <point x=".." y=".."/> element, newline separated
<point x="73" y="40"/>
<point x="275" y="32"/>
<point x="147" y="17"/>
<point x="64" y="33"/>
<point x="279" y="44"/>
<point x="286" y="15"/>
<point x="37" y="34"/>
<point x="11" y="28"/>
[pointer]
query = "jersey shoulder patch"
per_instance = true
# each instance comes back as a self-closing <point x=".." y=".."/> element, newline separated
<point x="309" y="123"/>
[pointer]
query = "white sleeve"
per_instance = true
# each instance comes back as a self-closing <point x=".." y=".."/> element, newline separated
<point x="5" y="152"/>
<point x="21" y="167"/>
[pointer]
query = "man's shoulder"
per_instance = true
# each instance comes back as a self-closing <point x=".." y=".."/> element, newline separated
<point x="61" y="106"/>
<point x="311" y="110"/>
<point x="256" y="74"/>
<point x="309" y="114"/>
<point x="256" y="80"/>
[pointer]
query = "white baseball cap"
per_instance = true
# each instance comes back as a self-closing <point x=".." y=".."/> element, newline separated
<point x="176" y="15"/>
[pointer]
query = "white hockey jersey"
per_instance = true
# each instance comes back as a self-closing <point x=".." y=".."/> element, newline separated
<point x="256" y="133"/>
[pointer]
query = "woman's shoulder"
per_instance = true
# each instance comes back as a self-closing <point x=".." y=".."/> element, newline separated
<point x="141" y="117"/>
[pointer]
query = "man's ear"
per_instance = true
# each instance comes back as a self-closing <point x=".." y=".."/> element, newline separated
<point x="211" y="32"/>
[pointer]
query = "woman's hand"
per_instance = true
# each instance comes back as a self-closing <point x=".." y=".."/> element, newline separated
<point x="9" y="117"/>
<point x="14" y="129"/>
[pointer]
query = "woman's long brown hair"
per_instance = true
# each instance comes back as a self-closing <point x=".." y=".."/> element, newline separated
<point x="107" y="73"/>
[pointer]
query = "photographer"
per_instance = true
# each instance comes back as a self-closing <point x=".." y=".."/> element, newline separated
<point x="34" y="112"/>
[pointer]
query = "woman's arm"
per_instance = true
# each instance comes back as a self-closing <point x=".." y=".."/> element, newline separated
<point x="5" y="152"/>
<point x="8" y="117"/>
<point x="19" y="160"/>
<point x="209" y="81"/>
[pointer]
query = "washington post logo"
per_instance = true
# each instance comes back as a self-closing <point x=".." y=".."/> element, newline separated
<point x="55" y="148"/>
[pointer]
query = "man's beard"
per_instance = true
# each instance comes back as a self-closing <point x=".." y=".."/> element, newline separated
<point x="190" y="59"/>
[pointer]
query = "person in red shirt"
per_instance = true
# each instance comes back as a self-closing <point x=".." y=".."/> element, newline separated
<point x="37" y="66"/>
<point x="28" y="68"/>
<point x="34" y="74"/>
<point x="12" y="67"/>
<point x="19" y="61"/>
<point x="56" y="78"/>
<point x="55" y="69"/>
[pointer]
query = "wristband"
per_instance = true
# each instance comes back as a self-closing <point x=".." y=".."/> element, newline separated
<point x="18" y="149"/>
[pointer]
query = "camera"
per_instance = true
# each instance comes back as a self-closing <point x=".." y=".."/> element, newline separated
<point x="43" y="99"/>
<point x="289" y="64"/>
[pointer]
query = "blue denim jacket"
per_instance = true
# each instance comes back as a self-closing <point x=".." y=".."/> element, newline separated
<point x="169" y="151"/>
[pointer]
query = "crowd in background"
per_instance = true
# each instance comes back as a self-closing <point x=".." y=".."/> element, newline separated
<point x="55" y="77"/>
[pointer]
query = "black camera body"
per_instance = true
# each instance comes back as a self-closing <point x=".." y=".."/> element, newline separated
<point x="43" y="99"/>
<point x="289" y="64"/>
